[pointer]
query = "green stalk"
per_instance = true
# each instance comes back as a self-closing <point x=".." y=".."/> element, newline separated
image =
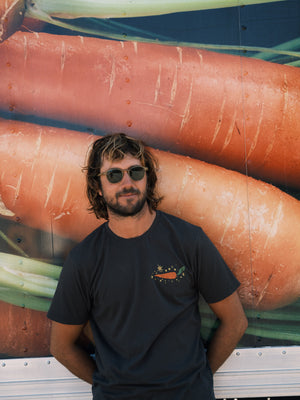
<point x="45" y="10"/>
<point x="28" y="276"/>
<point x="278" y="332"/>
<point x="110" y="24"/>
<point x="294" y="63"/>
<point x="24" y="300"/>
<point x="278" y="324"/>
<point x="29" y="265"/>
<point x="122" y="37"/>
<point x="291" y="45"/>
<point x="12" y="244"/>
<point x="277" y="314"/>
<point x="27" y="283"/>
<point x="127" y="8"/>
<point x="266" y="330"/>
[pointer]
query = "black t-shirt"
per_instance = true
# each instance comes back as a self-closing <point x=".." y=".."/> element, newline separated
<point x="141" y="297"/>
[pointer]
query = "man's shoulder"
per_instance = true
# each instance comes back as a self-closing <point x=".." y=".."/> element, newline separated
<point x="184" y="229"/>
<point x="89" y="243"/>
<point x="179" y="222"/>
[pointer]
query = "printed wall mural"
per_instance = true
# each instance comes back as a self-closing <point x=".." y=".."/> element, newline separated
<point x="213" y="90"/>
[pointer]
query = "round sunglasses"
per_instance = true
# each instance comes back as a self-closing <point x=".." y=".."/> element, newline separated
<point x="115" y="175"/>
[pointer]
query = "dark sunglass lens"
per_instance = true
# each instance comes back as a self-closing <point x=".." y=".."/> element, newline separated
<point x="114" y="175"/>
<point x="136" y="173"/>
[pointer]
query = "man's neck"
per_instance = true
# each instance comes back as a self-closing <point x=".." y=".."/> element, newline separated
<point x="130" y="227"/>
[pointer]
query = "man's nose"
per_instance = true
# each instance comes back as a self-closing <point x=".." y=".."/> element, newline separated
<point x="126" y="178"/>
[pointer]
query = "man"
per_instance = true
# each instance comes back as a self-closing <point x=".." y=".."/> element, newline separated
<point x="137" y="279"/>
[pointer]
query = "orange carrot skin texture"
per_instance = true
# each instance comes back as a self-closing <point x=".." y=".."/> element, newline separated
<point x="219" y="108"/>
<point x="31" y="24"/>
<point x="167" y="275"/>
<point x="249" y="221"/>
<point x="23" y="332"/>
<point x="255" y="226"/>
<point x="42" y="183"/>
<point x="11" y="17"/>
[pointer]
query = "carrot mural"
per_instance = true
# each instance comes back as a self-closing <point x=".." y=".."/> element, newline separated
<point x="233" y="111"/>
<point x="24" y="332"/>
<point x="249" y="221"/>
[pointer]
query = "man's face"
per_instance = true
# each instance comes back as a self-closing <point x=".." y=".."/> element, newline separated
<point x="127" y="197"/>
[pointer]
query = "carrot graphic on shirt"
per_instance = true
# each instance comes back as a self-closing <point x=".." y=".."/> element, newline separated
<point x="169" y="274"/>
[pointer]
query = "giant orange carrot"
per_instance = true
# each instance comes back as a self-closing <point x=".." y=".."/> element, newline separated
<point x="24" y="332"/>
<point x="41" y="183"/>
<point x="11" y="17"/>
<point x="228" y="110"/>
<point x="255" y="226"/>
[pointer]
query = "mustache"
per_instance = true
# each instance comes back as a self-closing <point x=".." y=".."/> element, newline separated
<point x="130" y="190"/>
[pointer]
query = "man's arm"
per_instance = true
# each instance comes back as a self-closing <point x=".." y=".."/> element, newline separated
<point x="64" y="348"/>
<point x="233" y="324"/>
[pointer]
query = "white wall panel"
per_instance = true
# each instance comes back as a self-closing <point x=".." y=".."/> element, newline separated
<point x="260" y="372"/>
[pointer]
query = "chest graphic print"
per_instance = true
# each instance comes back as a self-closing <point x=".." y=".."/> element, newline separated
<point x="168" y="274"/>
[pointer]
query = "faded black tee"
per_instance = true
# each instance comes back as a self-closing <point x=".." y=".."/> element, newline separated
<point x="141" y="296"/>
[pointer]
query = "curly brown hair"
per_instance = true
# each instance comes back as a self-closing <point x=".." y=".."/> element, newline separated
<point x="115" y="147"/>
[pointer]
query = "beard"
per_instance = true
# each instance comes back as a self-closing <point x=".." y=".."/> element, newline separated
<point x="133" y="205"/>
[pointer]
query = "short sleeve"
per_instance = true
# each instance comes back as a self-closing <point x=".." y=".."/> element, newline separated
<point x="214" y="279"/>
<point x="71" y="302"/>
